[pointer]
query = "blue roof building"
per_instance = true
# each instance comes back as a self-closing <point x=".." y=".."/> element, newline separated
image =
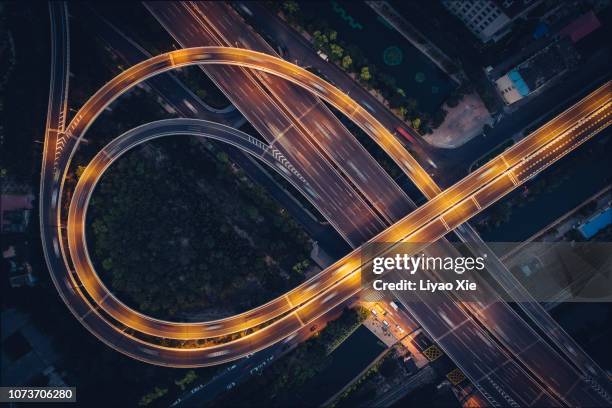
<point x="596" y="223"/>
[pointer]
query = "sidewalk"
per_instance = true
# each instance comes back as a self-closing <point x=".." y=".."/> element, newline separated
<point x="376" y="327"/>
<point x="462" y="123"/>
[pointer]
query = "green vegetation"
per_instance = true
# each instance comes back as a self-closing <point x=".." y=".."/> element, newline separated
<point x="501" y="212"/>
<point x="340" y="332"/>
<point x="152" y="396"/>
<point x="189" y="377"/>
<point x="362" y="390"/>
<point x="350" y="58"/>
<point x="177" y="229"/>
<point x="24" y="84"/>
<point x="374" y="149"/>
<point x="203" y="87"/>
<point x="347" y="61"/>
<point x="563" y="176"/>
<point x="365" y="74"/>
<point x="280" y="381"/>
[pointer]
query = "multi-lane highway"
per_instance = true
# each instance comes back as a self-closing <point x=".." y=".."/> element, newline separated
<point x="219" y="55"/>
<point x="347" y="284"/>
<point x="172" y="91"/>
<point x="451" y="208"/>
<point x="494" y="180"/>
<point x="115" y="149"/>
<point x="310" y="132"/>
<point x="424" y="225"/>
<point x="218" y="24"/>
<point x="515" y="329"/>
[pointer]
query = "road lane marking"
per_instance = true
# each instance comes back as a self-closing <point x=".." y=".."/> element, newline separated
<point x="299" y="319"/>
<point x="289" y="300"/>
<point x="513" y="178"/>
<point x="445" y="224"/>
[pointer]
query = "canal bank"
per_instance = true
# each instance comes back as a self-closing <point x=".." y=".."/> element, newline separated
<point x="551" y="194"/>
<point x="347" y="361"/>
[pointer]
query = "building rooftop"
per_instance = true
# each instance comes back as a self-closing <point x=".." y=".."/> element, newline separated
<point x="596" y="223"/>
<point x="14" y="210"/>
<point x="519" y="82"/>
<point x="515" y="8"/>
<point x="581" y="27"/>
<point x="546" y="64"/>
<point x="27" y="353"/>
<point x="537" y="70"/>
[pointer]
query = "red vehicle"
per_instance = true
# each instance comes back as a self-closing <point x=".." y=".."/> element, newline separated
<point x="405" y="134"/>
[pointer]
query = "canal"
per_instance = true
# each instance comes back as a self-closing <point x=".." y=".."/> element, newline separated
<point x="569" y="182"/>
<point x="347" y="361"/>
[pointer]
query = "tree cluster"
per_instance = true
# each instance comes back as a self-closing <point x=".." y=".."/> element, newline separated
<point x="281" y="382"/>
<point x="350" y="58"/>
<point x="186" y="234"/>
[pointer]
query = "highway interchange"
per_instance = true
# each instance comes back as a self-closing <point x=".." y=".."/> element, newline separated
<point x="196" y="23"/>
<point x="139" y="336"/>
<point x="295" y="122"/>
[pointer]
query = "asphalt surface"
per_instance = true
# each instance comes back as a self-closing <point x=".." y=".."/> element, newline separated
<point x="501" y="184"/>
<point x="311" y="309"/>
<point x="186" y="104"/>
<point x="297" y="121"/>
<point x="452" y="164"/>
<point x="298" y="49"/>
<point x="211" y="20"/>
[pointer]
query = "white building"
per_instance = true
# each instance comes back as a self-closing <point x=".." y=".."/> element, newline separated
<point x="489" y="19"/>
